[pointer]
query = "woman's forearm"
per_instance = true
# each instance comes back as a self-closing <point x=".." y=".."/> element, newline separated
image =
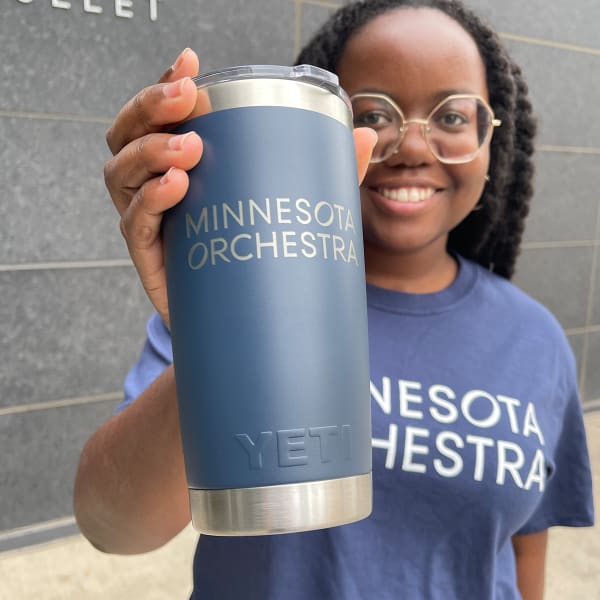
<point x="130" y="490"/>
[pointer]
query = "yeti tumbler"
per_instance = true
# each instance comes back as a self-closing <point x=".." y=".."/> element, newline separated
<point x="266" y="287"/>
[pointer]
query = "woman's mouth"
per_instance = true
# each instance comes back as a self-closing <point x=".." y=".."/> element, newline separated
<point x="406" y="194"/>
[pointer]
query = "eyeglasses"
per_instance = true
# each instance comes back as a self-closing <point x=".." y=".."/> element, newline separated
<point x="455" y="130"/>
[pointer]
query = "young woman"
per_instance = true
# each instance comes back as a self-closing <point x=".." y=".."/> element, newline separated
<point x="478" y="441"/>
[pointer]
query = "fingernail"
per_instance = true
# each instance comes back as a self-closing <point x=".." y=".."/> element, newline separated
<point x="179" y="60"/>
<point x="177" y="142"/>
<point x="165" y="178"/>
<point x="175" y="89"/>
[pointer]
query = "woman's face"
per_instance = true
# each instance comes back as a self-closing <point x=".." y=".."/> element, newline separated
<point x="417" y="57"/>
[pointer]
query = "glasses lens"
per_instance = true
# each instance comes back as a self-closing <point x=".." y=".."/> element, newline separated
<point x="378" y="114"/>
<point x="458" y="128"/>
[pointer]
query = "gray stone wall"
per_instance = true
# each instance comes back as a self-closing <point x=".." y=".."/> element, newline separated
<point x="73" y="312"/>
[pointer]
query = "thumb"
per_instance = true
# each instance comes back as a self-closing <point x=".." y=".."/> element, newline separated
<point x="364" y="142"/>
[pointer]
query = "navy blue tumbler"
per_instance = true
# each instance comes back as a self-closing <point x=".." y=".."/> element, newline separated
<point x="266" y="287"/>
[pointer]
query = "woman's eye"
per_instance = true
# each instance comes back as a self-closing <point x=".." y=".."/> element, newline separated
<point x="452" y="120"/>
<point x="375" y="120"/>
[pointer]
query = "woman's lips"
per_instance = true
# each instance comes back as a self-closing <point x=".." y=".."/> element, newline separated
<point x="410" y="194"/>
<point x="404" y="200"/>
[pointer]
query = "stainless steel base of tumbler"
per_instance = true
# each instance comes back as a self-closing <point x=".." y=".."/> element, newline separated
<point x="282" y="508"/>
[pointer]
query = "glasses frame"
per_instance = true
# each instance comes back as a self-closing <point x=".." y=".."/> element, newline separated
<point x="424" y="123"/>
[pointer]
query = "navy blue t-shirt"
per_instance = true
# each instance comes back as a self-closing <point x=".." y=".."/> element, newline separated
<point x="477" y="436"/>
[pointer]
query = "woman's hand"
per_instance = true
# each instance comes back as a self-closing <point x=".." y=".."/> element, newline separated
<point x="147" y="174"/>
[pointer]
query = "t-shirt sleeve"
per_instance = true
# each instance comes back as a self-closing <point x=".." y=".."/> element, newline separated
<point x="567" y="499"/>
<point x="156" y="355"/>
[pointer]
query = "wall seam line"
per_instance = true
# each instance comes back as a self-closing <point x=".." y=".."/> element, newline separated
<point x="535" y="41"/>
<point x="323" y="3"/>
<point x="64" y="265"/>
<point x="64" y="403"/>
<point x="591" y="405"/>
<point x="560" y="244"/>
<point x="17" y="114"/>
<point x="582" y="330"/>
<point x="36" y="528"/>
<point x="568" y="149"/>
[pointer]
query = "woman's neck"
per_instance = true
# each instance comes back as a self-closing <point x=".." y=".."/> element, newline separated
<point x="418" y="272"/>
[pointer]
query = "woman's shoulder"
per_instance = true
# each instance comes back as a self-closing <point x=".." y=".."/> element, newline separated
<point x="506" y="299"/>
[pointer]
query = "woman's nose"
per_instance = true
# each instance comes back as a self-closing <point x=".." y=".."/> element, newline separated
<point x="412" y="148"/>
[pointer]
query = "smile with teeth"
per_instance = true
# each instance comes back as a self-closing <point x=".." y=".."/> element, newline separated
<point x="407" y="194"/>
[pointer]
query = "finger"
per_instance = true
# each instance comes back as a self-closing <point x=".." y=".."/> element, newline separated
<point x="140" y="225"/>
<point x="364" y="142"/>
<point x="186" y="65"/>
<point x="150" y="110"/>
<point x="145" y="158"/>
<point x="141" y="221"/>
<point x="158" y="105"/>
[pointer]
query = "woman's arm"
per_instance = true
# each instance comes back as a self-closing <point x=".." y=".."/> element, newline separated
<point x="130" y="490"/>
<point x="530" y="555"/>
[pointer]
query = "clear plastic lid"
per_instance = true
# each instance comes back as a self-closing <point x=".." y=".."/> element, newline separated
<point x="304" y="73"/>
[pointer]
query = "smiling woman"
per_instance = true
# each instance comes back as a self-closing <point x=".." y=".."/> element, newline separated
<point x="482" y="448"/>
<point x="437" y="58"/>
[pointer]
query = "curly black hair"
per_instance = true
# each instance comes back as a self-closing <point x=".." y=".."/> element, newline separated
<point x="491" y="235"/>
